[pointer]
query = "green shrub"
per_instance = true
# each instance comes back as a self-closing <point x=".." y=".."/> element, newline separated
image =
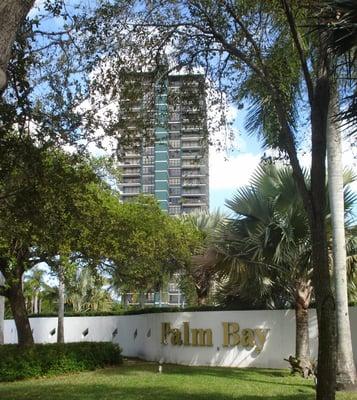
<point x="53" y="359"/>
<point x="147" y="310"/>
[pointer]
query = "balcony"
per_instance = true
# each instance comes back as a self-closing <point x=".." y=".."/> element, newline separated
<point x="191" y="165"/>
<point x="130" y="164"/>
<point x="131" y="155"/>
<point x="193" y="194"/>
<point x="192" y="203"/>
<point x="130" y="194"/>
<point x="189" y="156"/>
<point x="191" y="138"/>
<point x="130" y="184"/>
<point x="194" y="174"/>
<point x="129" y="173"/>
<point x="186" y="146"/>
<point x="193" y="183"/>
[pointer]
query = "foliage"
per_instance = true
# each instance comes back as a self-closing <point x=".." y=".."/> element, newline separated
<point x="200" y="273"/>
<point x="84" y="292"/>
<point x="265" y="248"/>
<point x="340" y="23"/>
<point x="55" y="359"/>
<point x="146" y="245"/>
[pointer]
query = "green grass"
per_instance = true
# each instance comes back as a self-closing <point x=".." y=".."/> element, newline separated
<point x="136" y="380"/>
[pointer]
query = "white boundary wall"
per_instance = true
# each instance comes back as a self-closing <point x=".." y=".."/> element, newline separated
<point x="140" y="336"/>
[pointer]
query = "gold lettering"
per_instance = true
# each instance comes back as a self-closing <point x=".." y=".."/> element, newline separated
<point x="176" y="337"/>
<point x="186" y="334"/>
<point x="261" y="334"/>
<point x="202" y="337"/>
<point x="247" y="338"/>
<point x="165" y="331"/>
<point x="230" y="334"/>
<point x="194" y="337"/>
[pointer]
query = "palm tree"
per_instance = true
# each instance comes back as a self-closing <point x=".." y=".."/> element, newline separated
<point x="346" y="371"/>
<point x="342" y="32"/>
<point x="268" y="240"/>
<point x="34" y="285"/>
<point x="202" y="268"/>
<point x="85" y="292"/>
<point x="341" y="27"/>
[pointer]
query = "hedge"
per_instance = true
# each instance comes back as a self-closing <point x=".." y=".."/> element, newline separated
<point x="54" y="359"/>
<point x="146" y="310"/>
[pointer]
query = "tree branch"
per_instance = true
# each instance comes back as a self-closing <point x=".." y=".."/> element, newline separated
<point x="297" y="40"/>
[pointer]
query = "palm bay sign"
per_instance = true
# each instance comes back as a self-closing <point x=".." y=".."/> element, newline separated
<point x="232" y="336"/>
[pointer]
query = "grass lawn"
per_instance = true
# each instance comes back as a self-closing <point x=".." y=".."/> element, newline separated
<point x="136" y="380"/>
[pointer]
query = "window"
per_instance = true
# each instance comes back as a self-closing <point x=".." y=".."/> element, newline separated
<point x="175" y="162"/>
<point x="174" y="209"/>
<point x="148" y="179"/>
<point x="175" y="201"/>
<point x="131" y="189"/>
<point x="175" y="116"/>
<point x="148" y="189"/>
<point x="174" y="153"/>
<point x="174" y="144"/>
<point x="131" y="180"/>
<point x="175" y="172"/>
<point x="132" y="161"/>
<point x="148" y="170"/>
<point x="175" y="135"/>
<point x="149" y="151"/>
<point x="174" y="181"/>
<point x="175" y="191"/>
<point x="148" y="160"/>
<point x="173" y="299"/>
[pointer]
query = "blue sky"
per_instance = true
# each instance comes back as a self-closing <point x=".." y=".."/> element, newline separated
<point x="227" y="175"/>
<point x="231" y="169"/>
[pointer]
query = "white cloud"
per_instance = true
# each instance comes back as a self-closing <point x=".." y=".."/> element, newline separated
<point x="231" y="172"/>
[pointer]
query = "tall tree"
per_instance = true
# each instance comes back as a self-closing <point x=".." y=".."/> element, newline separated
<point x="41" y="186"/>
<point x="233" y="41"/>
<point x="12" y="15"/>
<point x="266" y="248"/>
<point x="267" y="245"/>
<point x="342" y="35"/>
<point x="150" y="245"/>
<point x="346" y="371"/>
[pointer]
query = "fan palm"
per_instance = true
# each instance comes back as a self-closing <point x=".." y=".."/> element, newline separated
<point x="268" y="240"/>
<point x="265" y="248"/>
<point x="202" y="267"/>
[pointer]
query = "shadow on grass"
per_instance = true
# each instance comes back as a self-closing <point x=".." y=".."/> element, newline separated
<point x="108" y="392"/>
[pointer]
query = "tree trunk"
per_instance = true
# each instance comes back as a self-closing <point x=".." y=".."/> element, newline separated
<point x="346" y="371"/>
<point x="325" y="302"/>
<point x="126" y="300"/>
<point x="60" y="325"/>
<point x="35" y="303"/>
<point x="201" y="297"/>
<point x="303" y="291"/>
<point x="142" y="299"/>
<point x="2" y="311"/>
<point x="18" y="308"/>
<point x="12" y="13"/>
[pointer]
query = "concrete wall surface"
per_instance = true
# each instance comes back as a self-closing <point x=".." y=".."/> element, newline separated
<point x="262" y="339"/>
